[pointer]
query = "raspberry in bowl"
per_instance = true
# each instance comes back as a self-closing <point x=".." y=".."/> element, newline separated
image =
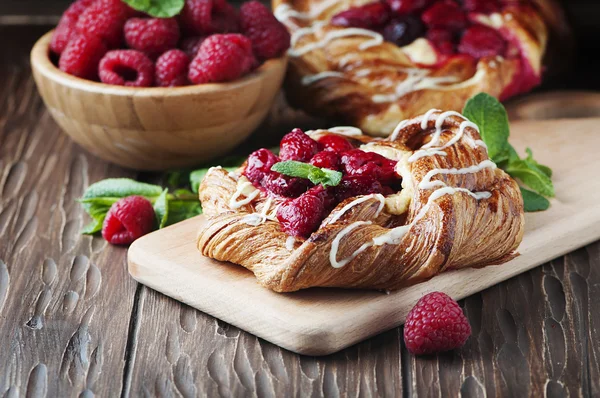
<point x="154" y="93"/>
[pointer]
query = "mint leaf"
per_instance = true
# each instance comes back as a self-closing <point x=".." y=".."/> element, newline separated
<point x="532" y="177"/>
<point x="490" y="116"/>
<point x="157" y="8"/>
<point x="534" y="202"/>
<point x="532" y="163"/>
<point x="182" y="210"/>
<point x="94" y="226"/>
<point x="316" y="175"/>
<point x="120" y="188"/>
<point x="161" y="208"/>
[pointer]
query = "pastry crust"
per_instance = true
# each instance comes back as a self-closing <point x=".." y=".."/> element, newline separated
<point x="353" y="75"/>
<point x="455" y="210"/>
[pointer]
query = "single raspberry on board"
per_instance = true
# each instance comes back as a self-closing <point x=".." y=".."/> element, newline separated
<point x="445" y="14"/>
<point x="259" y="164"/>
<point x="368" y="16"/>
<point x="152" y="36"/>
<point x="66" y="28"/>
<point x="172" y="68"/>
<point x="435" y="324"/>
<point x="105" y="19"/>
<point x="303" y="215"/>
<point x="270" y="38"/>
<point x="335" y="143"/>
<point x="127" y="68"/>
<point x="82" y="56"/>
<point x="298" y="146"/>
<point x="327" y="160"/>
<point x="480" y="41"/>
<point x="127" y="220"/>
<point x="222" y="58"/>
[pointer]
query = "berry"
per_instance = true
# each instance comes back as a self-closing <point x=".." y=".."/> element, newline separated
<point x="205" y="17"/>
<point x="435" y="324"/>
<point x="481" y="6"/>
<point x="442" y="40"/>
<point x="171" y="69"/>
<point x="65" y="30"/>
<point x="326" y="159"/>
<point x="222" y="58"/>
<point x="191" y="45"/>
<point x="445" y="14"/>
<point x="270" y="38"/>
<point x="152" y="36"/>
<point x="480" y="41"/>
<point x="360" y="163"/>
<point x="355" y="186"/>
<point x="303" y="215"/>
<point x="335" y="143"/>
<point x="82" y="56"/>
<point x="402" y="7"/>
<point x="127" y="220"/>
<point x="403" y="31"/>
<point x="369" y="16"/>
<point x="225" y="19"/>
<point x="259" y="164"/>
<point x="127" y="68"/>
<point x="298" y="146"/>
<point x="105" y="19"/>
<point x="283" y="185"/>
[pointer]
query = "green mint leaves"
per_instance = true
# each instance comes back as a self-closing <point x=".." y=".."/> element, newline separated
<point x="316" y="175"/>
<point x="491" y="118"/>
<point x="157" y="8"/>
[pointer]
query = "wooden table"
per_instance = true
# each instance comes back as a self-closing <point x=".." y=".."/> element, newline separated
<point x="73" y="323"/>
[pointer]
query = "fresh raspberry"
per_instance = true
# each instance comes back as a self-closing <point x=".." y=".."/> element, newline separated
<point x="481" y="6"/>
<point x="225" y="18"/>
<point x="360" y="163"/>
<point x="303" y="215"/>
<point x="283" y="185"/>
<point x="351" y="186"/>
<point x="443" y="40"/>
<point x="152" y="36"/>
<point x="402" y="7"/>
<point x="191" y="45"/>
<point x="259" y="164"/>
<point x="105" y="19"/>
<point x="326" y="159"/>
<point x="127" y="68"/>
<point x="82" y="56"/>
<point x="222" y="58"/>
<point x="270" y="38"/>
<point x="368" y="16"/>
<point x="65" y="30"/>
<point x="127" y="220"/>
<point x="298" y="146"/>
<point x="403" y="30"/>
<point x="445" y="14"/>
<point x="205" y="17"/>
<point x="171" y="69"/>
<point x="435" y="324"/>
<point x="335" y="143"/>
<point x="480" y="41"/>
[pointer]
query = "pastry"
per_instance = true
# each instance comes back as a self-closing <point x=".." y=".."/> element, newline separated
<point x="373" y="63"/>
<point x="425" y="200"/>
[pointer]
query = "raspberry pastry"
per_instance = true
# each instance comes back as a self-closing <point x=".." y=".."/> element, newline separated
<point x="402" y="209"/>
<point x="373" y="63"/>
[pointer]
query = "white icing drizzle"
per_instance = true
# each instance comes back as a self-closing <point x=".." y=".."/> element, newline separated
<point x="363" y="72"/>
<point x="396" y="131"/>
<point x="255" y="219"/>
<point x="426" y="183"/>
<point x="435" y="140"/>
<point x="346" y="130"/>
<point x="438" y="193"/>
<point x="376" y="39"/>
<point x="284" y="11"/>
<point x="360" y="200"/>
<point x="336" y="243"/>
<point x="289" y="243"/>
<point x="234" y="203"/>
<point x="233" y="175"/>
<point x="422" y="153"/>
<point x="426" y="118"/>
<point x="310" y="79"/>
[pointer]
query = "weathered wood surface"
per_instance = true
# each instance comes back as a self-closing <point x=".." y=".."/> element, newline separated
<point x="73" y="323"/>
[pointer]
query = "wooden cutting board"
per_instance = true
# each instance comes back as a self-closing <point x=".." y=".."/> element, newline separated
<point x="323" y="321"/>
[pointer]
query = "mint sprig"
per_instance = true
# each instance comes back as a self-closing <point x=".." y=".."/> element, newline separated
<point x="490" y="116"/>
<point x="157" y="8"/>
<point x="316" y="175"/>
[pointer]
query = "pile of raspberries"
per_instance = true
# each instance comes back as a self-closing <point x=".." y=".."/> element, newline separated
<point x="208" y="42"/>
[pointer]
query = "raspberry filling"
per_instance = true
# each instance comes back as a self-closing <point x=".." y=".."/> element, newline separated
<point x="307" y="205"/>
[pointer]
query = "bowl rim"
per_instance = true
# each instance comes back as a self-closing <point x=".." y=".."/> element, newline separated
<point x="40" y="60"/>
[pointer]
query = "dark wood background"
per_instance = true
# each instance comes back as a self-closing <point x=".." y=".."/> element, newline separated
<point x="73" y="323"/>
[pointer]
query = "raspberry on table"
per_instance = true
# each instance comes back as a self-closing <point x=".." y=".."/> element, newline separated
<point x="259" y="164"/>
<point x="127" y="220"/>
<point x="480" y="41"/>
<point x="270" y="38"/>
<point x="445" y="14"/>
<point x="127" y="68"/>
<point x="152" y="36"/>
<point x="66" y="28"/>
<point x="368" y="16"/>
<point x="222" y="58"/>
<point x="105" y="19"/>
<point x="81" y="57"/>
<point x="171" y="69"/>
<point x="335" y="143"/>
<point x="435" y="324"/>
<point x="298" y="146"/>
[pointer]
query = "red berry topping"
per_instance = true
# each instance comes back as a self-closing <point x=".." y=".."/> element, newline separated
<point x="283" y="185"/>
<point x="481" y="6"/>
<point x="303" y="215"/>
<point x="335" y="143"/>
<point x="443" y="40"/>
<point x="480" y="41"/>
<point x="435" y="324"/>
<point x="82" y="56"/>
<point x="222" y="58"/>
<point x="369" y="16"/>
<point x="259" y="164"/>
<point x="402" y="7"/>
<point x="172" y="68"/>
<point x="356" y="186"/>
<point x="105" y="19"/>
<point x="360" y="163"/>
<point x="404" y="30"/>
<point x="191" y="45"/>
<point x="327" y="160"/>
<point x="445" y="14"/>
<point x="152" y="36"/>
<point x="270" y="38"/>
<point x="204" y="17"/>
<point x="127" y="68"/>
<point x="298" y="146"/>
<point x="65" y="30"/>
<point x="127" y="220"/>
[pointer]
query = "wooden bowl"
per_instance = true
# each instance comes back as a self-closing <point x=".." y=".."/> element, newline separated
<point x="156" y="128"/>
